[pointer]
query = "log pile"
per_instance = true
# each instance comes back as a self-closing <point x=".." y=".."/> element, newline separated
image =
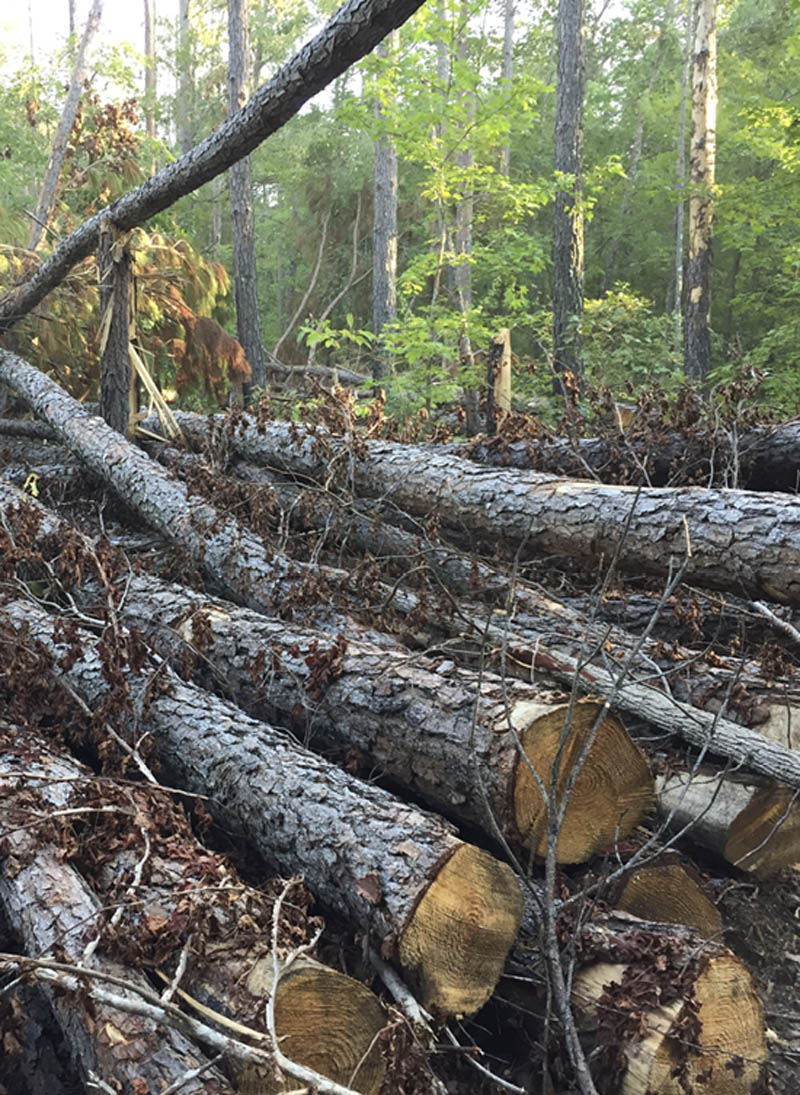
<point x="429" y="739"/>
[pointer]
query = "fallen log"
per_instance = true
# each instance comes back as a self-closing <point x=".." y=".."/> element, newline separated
<point x="50" y="907"/>
<point x="668" y="893"/>
<point x="658" y="1006"/>
<point x="765" y="458"/>
<point x="445" y="910"/>
<point x="756" y="828"/>
<point x="462" y="742"/>
<point x="724" y="539"/>
<point x="356" y="28"/>
<point x="170" y="896"/>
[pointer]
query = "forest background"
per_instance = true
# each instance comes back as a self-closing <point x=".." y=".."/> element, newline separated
<point x="464" y="127"/>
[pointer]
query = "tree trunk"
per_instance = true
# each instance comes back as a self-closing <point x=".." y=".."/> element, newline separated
<point x="568" y="211"/>
<point x="649" y="529"/>
<point x="397" y="873"/>
<point x="150" y="72"/>
<point x="245" y="275"/>
<point x="63" y="129"/>
<point x="50" y="907"/>
<point x="371" y="703"/>
<point x="507" y="73"/>
<point x="755" y="827"/>
<point x="185" y="101"/>
<point x="168" y="908"/>
<point x="675" y="290"/>
<point x="462" y="270"/>
<point x="118" y="403"/>
<point x="357" y="27"/>
<point x="668" y="893"/>
<point x="384" y="234"/>
<point x="697" y="331"/>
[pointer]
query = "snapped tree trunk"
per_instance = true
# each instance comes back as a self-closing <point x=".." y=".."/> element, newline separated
<point x="48" y="192"/>
<point x="50" y="907"/>
<point x="568" y="212"/>
<point x="356" y="28"/>
<point x="384" y="232"/>
<point x="445" y="910"/>
<point x="245" y="275"/>
<point x="697" y="323"/>
<point x="118" y="404"/>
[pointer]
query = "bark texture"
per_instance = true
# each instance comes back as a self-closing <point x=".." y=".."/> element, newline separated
<point x="50" y="906"/>
<point x="363" y="852"/>
<point x="697" y="319"/>
<point x="354" y="30"/>
<point x="245" y="275"/>
<point x="739" y="540"/>
<point x="567" y="213"/>
<point x="118" y="403"/>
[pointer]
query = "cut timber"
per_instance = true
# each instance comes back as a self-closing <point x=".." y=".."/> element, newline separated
<point x="755" y="828"/>
<point x="188" y="898"/>
<point x="462" y="741"/>
<point x="648" y="530"/>
<point x="51" y="908"/>
<point x="711" y="1037"/>
<point x="667" y="892"/>
<point x="360" y="850"/>
<point x="764" y="458"/>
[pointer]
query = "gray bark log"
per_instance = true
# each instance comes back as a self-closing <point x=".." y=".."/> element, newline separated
<point x="302" y="813"/>
<point x="567" y="214"/>
<point x="245" y="274"/>
<point x="353" y="31"/>
<point x="63" y="129"/>
<point x="50" y="906"/>
<point x="739" y="540"/>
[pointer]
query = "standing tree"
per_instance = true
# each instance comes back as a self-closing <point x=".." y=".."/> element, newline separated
<point x="63" y="130"/>
<point x="675" y="290"/>
<point x="384" y="232"/>
<point x="462" y="271"/>
<point x="568" y="212"/>
<point x="149" y="69"/>
<point x="507" y="72"/>
<point x="697" y="326"/>
<point x="245" y="280"/>
<point x="185" y="81"/>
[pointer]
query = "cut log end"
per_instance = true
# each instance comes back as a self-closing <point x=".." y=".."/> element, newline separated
<point x="668" y="1052"/>
<point x="461" y="931"/>
<point x="765" y="836"/>
<point x="325" y="1021"/>
<point x="611" y="793"/>
<point x="667" y="893"/>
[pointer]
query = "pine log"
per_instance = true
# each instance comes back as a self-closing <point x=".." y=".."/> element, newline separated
<point x="526" y="651"/>
<point x="187" y="897"/>
<point x="765" y="458"/>
<point x="445" y="910"/>
<point x="756" y="828"/>
<point x="461" y="741"/>
<point x="725" y="539"/>
<point x="668" y="893"/>
<point x="638" y="989"/>
<point x="356" y="28"/>
<point x="51" y="908"/>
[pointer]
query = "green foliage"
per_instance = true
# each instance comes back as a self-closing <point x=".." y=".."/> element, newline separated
<point x="627" y="345"/>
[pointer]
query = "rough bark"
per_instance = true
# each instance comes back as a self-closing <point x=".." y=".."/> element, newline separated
<point x="50" y="906"/>
<point x="354" y="30"/>
<point x="384" y="234"/>
<point x="118" y="402"/>
<point x="245" y="274"/>
<point x="568" y="212"/>
<point x="387" y="866"/>
<point x="452" y="737"/>
<point x="697" y="320"/>
<point x="739" y="540"/>
<point x="765" y="458"/>
<point x="63" y="129"/>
